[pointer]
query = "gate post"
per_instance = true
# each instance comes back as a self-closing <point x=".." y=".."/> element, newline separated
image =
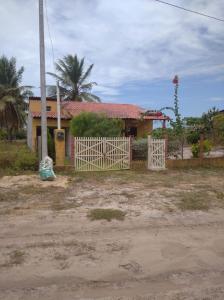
<point x="149" y="151"/>
<point x="59" y="139"/>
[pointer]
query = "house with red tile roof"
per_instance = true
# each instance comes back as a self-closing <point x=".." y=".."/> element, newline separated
<point x="137" y="122"/>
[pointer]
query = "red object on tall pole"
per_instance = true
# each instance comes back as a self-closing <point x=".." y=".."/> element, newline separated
<point x="176" y="80"/>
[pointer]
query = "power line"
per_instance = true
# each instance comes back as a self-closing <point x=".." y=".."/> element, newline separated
<point x="189" y="10"/>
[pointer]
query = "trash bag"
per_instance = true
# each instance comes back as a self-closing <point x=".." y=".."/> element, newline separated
<point x="46" y="169"/>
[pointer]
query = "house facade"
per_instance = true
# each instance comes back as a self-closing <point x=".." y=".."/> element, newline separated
<point x="136" y="121"/>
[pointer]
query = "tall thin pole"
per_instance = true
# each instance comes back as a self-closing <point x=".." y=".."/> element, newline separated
<point x="58" y="106"/>
<point x="42" y="82"/>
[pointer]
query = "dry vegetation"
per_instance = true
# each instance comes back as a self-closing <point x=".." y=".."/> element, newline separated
<point x="56" y="241"/>
<point x="106" y="214"/>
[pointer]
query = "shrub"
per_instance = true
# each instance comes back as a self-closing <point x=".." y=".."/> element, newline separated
<point x="50" y="145"/>
<point x="26" y="160"/>
<point x="174" y="141"/>
<point x="159" y="133"/>
<point x="195" y="149"/>
<point x="17" y="156"/>
<point x="3" y="134"/>
<point x="140" y="149"/>
<point x="193" y="137"/>
<point x="88" y="124"/>
<point x="106" y="214"/>
<point x="20" y="134"/>
<point x="218" y="124"/>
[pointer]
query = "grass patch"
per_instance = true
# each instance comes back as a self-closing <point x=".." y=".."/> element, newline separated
<point x="59" y="205"/>
<point x="16" y="156"/>
<point x="16" y="257"/>
<point x="106" y="214"/>
<point x="193" y="201"/>
<point x="220" y="195"/>
<point x="6" y="195"/>
<point x="60" y="256"/>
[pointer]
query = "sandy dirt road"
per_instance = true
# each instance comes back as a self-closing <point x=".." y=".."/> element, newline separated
<point x="48" y="251"/>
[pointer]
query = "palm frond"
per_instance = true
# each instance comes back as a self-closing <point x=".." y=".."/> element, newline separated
<point x="88" y="97"/>
<point x="86" y="74"/>
<point x="72" y="78"/>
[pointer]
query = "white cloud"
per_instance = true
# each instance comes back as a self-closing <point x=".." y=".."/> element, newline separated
<point x="217" y="99"/>
<point x="127" y="40"/>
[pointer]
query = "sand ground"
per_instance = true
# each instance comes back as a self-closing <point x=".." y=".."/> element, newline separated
<point x="49" y="249"/>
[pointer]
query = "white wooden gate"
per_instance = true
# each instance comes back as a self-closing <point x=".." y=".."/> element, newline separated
<point x="156" y="154"/>
<point x="101" y="154"/>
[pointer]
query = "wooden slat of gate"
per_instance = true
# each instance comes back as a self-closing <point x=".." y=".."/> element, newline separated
<point x="156" y="154"/>
<point x="93" y="154"/>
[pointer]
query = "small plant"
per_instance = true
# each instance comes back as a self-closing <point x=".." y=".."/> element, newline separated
<point x="193" y="201"/>
<point x="3" y="134"/>
<point x="220" y="195"/>
<point x="193" y="137"/>
<point x="106" y="214"/>
<point x="140" y="149"/>
<point x="26" y="160"/>
<point x="16" y="156"/>
<point x="195" y="148"/>
<point x="16" y="257"/>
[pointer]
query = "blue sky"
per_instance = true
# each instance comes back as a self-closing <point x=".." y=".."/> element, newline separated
<point x="196" y="94"/>
<point x="137" y="46"/>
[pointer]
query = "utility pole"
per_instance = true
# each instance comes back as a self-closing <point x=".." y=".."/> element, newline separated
<point x="42" y="82"/>
<point x="58" y="106"/>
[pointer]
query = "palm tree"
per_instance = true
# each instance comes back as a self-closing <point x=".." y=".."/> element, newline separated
<point x="12" y="96"/>
<point x="72" y="77"/>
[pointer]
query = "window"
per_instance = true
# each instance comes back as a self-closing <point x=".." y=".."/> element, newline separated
<point x="48" y="108"/>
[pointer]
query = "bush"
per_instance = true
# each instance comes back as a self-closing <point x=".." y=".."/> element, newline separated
<point x="159" y="133"/>
<point x="195" y="149"/>
<point x="20" y="134"/>
<point x="50" y="145"/>
<point x="140" y="149"/>
<point x="3" y="134"/>
<point x="18" y="157"/>
<point x="174" y="141"/>
<point x="106" y="214"/>
<point x="89" y="124"/>
<point x="218" y="127"/>
<point x="193" y="137"/>
<point x="26" y="160"/>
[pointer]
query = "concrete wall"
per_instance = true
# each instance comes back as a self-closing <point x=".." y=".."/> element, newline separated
<point x="196" y="162"/>
<point x="217" y="162"/>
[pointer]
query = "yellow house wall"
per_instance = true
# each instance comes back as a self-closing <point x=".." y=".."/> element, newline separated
<point x="144" y="127"/>
<point x="50" y="123"/>
<point x="35" y="105"/>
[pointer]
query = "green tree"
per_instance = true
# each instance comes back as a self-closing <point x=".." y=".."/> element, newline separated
<point x="207" y="120"/>
<point x="73" y="80"/>
<point x="88" y="124"/>
<point x="12" y="96"/>
<point x="218" y="127"/>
